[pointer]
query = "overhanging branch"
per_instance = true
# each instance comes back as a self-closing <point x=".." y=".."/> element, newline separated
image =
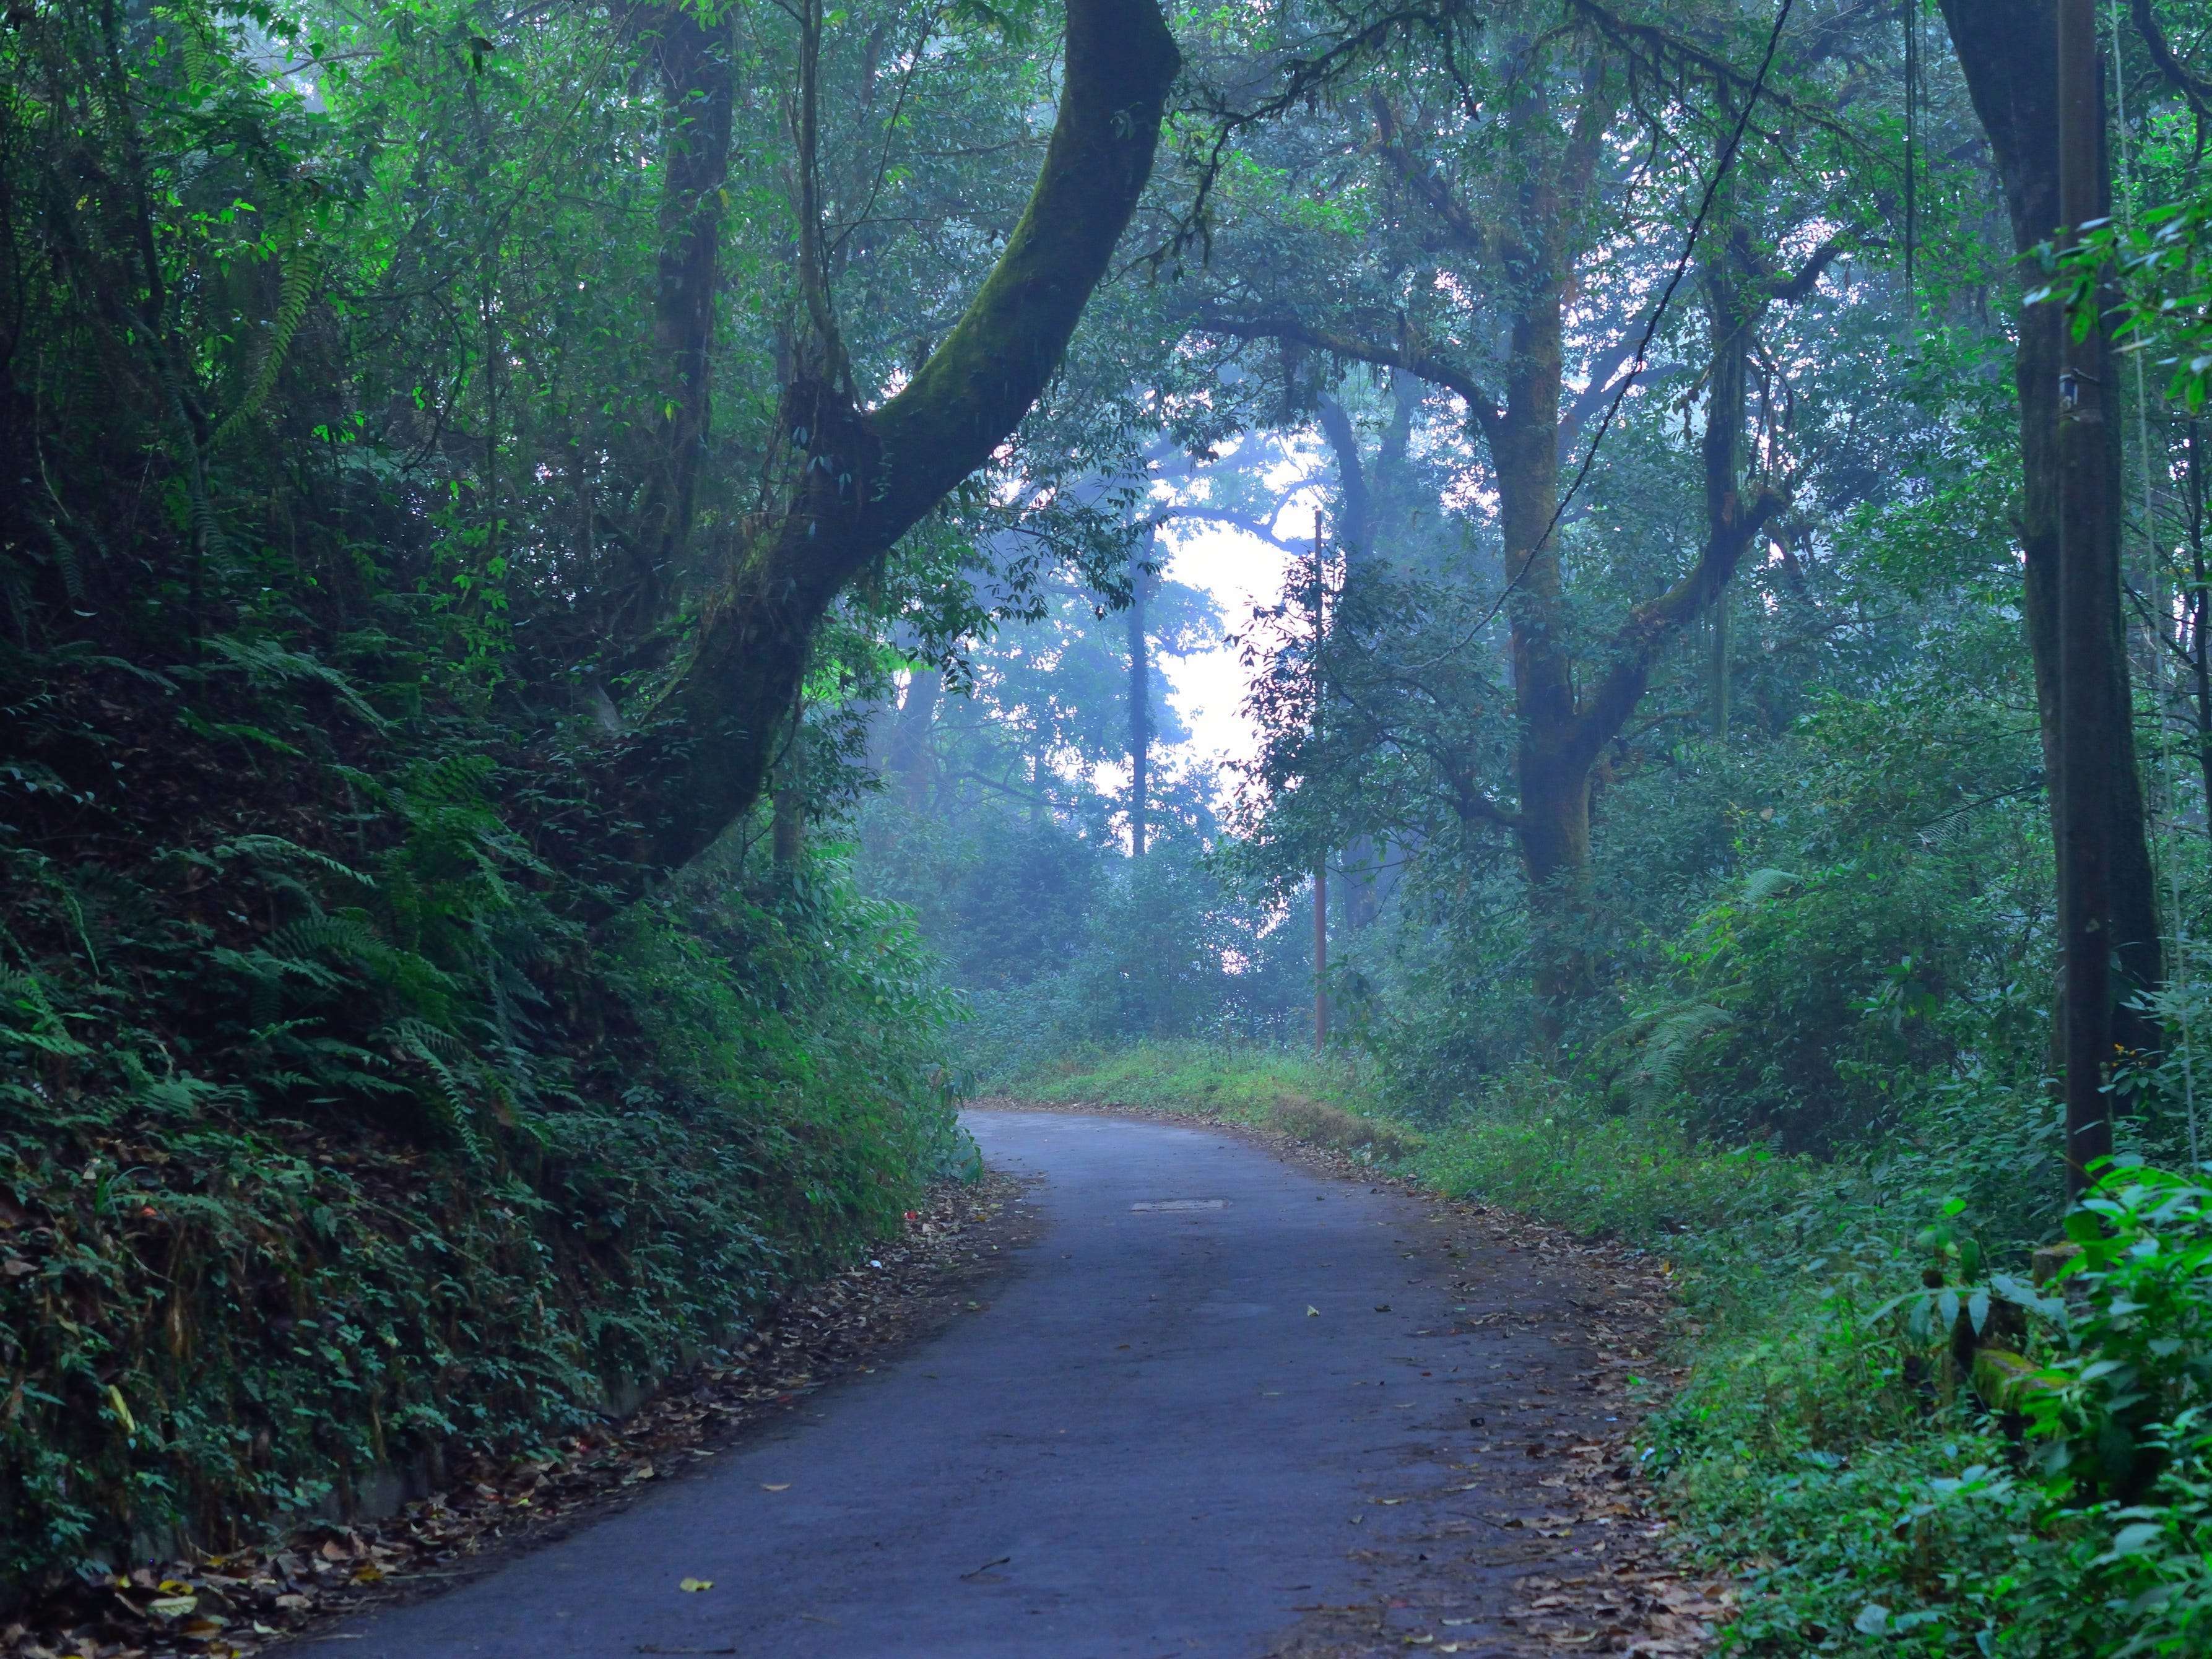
<point x="1420" y="364"/>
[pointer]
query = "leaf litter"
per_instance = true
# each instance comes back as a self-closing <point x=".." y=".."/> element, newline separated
<point x="1565" y="1557"/>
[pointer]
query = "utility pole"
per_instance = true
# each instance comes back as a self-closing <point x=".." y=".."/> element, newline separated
<point x="1321" y="863"/>
<point x="1320" y="958"/>
<point x="2087" y="714"/>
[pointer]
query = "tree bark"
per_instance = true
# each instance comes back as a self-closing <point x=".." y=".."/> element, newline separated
<point x="1728" y="319"/>
<point x="2088" y="549"/>
<point x="1355" y="534"/>
<point x="858" y="478"/>
<point x="1321" y="957"/>
<point x="1562" y="727"/>
<point x="911" y="763"/>
<point x="697" y="64"/>
<point x="2198" y="611"/>
<point x="2008" y="52"/>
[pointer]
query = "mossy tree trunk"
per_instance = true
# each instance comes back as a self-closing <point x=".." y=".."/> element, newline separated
<point x="855" y="478"/>
<point x="697" y="64"/>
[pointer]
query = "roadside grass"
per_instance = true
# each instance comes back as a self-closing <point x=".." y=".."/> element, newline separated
<point x="1531" y="1147"/>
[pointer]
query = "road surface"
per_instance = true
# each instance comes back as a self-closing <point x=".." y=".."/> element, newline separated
<point x="1171" y="1429"/>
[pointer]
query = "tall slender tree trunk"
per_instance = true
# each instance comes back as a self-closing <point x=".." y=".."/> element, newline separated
<point x="1553" y="830"/>
<point x="1730" y="315"/>
<point x="2199" y="611"/>
<point x="1366" y="498"/>
<point x="911" y="762"/>
<point x="1321" y="957"/>
<point x="1355" y="534"/>
<point x="787" y="812"/>
<point x="2088" y="560"/>
<point x="1141" y="585"/>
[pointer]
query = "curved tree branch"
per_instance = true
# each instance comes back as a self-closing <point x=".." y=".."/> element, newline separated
<point x="1420" y="364"/>
<point x="858" y="478"/>
<point x="2197" y="88"/>
<point x="1260" y="530"/>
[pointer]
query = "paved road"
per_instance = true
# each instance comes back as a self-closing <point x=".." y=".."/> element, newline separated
<point x="1144" y="1445"/>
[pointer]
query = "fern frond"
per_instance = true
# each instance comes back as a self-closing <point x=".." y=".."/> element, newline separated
<point x="446" y="1055"/>
<point x="1761" y="886"/>
<point x="343" y="936"/>
<point x="1670" y="1038"/>
<point x="266" y="661"/>
<point x="272" y="848"/>
<point x="300" y="268"/>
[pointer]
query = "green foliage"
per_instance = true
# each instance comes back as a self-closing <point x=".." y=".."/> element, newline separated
<point x="2132" y="1309"/>
<point x="227" y="1301"/>
<point x="2164" y="268"/>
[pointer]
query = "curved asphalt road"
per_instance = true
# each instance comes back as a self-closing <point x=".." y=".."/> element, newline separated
<point x="1142" y="1446"/>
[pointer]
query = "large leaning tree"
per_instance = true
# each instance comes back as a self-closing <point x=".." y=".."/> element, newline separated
<point x="854" y="469"/>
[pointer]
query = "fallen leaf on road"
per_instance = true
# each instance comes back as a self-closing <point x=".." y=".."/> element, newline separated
<point x="695" y="1585"/>
<point x="1312" y="1312"/>
<point x="783" y="1486"/>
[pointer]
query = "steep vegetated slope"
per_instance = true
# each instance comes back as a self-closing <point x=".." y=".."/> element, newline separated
<point x="334" y="1142"/>
<point x="371" y="1096"/>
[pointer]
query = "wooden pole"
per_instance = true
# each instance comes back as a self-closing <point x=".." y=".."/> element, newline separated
<point x="1320" y="958"/>
<point x="1321" y="865"/>
<point x="2087" y="734"/>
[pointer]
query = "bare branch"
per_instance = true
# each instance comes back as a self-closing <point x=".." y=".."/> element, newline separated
<point x="2192" y="85"/>
<point x="1405" y="355"/>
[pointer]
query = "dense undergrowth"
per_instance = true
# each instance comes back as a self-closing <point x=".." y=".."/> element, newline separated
<point x="332" y="1146"/>
<point x="1825" y="1450"/>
